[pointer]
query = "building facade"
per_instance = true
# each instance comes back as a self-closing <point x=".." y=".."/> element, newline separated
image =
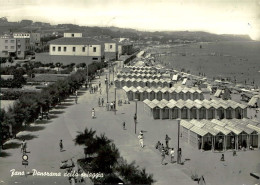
<point x="110" y="48"/>
<point x="35" y="38"/>
<point x="77" y="50"/>
<point x="73" y="34"/>
<point x="14" y="47"/>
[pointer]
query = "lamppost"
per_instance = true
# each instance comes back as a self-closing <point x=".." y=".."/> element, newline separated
<point x="178" y="151"/>
<point x="113" y="73"/>
<point x="106" y="87"/>
<point x="115" y="102"/>
<point x="109" y="74"/>
<point x="135" y="116"/>
<point x="87" y="75"/>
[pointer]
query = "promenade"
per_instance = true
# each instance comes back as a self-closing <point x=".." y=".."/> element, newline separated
<point x="70" y="118"/>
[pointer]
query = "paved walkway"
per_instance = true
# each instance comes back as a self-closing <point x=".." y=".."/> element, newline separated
<point x="69" y="118"/>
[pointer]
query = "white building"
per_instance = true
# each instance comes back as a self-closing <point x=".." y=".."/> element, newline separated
<point x="77" y="50"/>
<point x="73" y="34"/>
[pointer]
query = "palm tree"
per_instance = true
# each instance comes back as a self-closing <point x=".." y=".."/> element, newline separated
<point x="106" y="159"/>
<point x="83" y="138"/>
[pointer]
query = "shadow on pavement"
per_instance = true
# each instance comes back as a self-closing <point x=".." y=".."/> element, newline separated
<point x="39" y="122"/>
<point x="53" y="116"/>
<point x="26" y="137"/>
<point x="34" y="128"/>
<point x="12" y="145"/>
<point x="4" y="154"/>
<point x="56" y="112"/>
<point x="69" y="100"/>
<point x="60" y="107"/>
<point x="68" y="104"/>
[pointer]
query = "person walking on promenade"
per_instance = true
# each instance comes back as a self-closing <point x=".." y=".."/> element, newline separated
<point x="99" y="102"/>
<point x="23" y="146"/>
<point x="124" y="125"/>
<point x="102" y="102"/>
<point x="141" y="139"/>
<point x="135" y="118"/>
<point x="111" y="106"/>
<point x="167" y="139"/>
<point x="163" y="156"/>
<point x="100" y="91"/>
<point x="172" y="155"/>
<point x="76" y="100"/>
<point x="93" y="113"/>
<point x="61" y="146"/>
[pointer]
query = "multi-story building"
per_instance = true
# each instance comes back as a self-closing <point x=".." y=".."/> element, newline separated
<point x="35" y="38"/>
<point x="110" y="48"/>
<point x="124" y="46"/>
<point x="14" y="47"/>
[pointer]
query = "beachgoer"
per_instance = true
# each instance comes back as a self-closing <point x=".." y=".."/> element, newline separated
<point x="172" y="155"/>
<point x="93" y="113"/>
<point x="167" y="139"/>
<point x="163" y="156"/>
<point x="102" y="102"/>
<point x="141" y="139"/>
<point x="124" y="125"/>
<point x="61" y="146"/>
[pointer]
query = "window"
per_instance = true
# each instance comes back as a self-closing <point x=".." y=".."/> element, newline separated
<point x="59" y="48"/>
<point x="12" y="47"/>
<point x="6" y="41"/>
<point x="6" y="47"/>
<point x="74" y="49"/>
<point x="19" y="52"/>
<point x="53" y="48"/>
<point x="94" y="58"/>
<point x="64" y="49"/>
<point x="94" y="49"/>
<point x="111" y="46"/>
<point x="83" y="49"/>
<point x="72" y="35"/>
<point x="12" y="41"/>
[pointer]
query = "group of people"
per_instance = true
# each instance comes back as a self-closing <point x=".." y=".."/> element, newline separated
<point x="100" y="102"/>
<point x="93" y="89"/>
<point x="111" y="106"/>
<point x="166" y="150"/>
<point x="120" y="102"/>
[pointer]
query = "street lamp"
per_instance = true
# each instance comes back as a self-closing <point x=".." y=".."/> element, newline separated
<point x="109" y="74"/>
<point x="178" y="151"/>
<point x="106" y="87"/>
<point x="115" y="102"/>
<point x="135" y="116"/>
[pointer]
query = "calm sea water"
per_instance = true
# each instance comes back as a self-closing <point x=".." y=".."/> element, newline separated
<point x="236" y="60"/>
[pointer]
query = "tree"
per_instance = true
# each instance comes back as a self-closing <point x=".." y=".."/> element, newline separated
<point x="106" y="159"/>
<point x="83" y="138"/>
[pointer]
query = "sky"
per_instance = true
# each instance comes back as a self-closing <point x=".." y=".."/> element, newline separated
<point x="215" y="16"/>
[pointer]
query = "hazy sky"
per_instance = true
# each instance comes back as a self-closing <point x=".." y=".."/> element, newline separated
<point x="216" y="16"/>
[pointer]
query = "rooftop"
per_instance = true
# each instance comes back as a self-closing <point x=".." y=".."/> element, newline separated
<point x="75" y="41"/>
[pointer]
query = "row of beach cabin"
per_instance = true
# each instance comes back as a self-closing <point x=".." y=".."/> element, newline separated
<point x="197" y="109"/>
<point x="159" y="93"/>
<point x="121" y="82"/>
<point x="225" y="134"/>
<point x="140" y="75"/>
